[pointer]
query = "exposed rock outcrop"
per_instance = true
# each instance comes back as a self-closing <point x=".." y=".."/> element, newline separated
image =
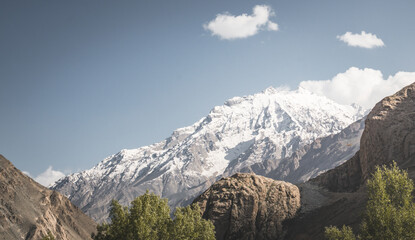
<point x="29" y="211"/>
<point x="389" y="136"/>
<point x="247" y="206"/>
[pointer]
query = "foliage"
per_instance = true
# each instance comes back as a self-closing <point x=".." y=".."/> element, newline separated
<point x="390" y="210"/>
<point x="345" y="233"/>
<point x="149" y="218"/>
<point x="188" y="224"/>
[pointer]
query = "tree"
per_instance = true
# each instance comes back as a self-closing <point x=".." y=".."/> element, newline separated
<point x="189" y="224"/>
<point x="148" y="217"/>
<point x="118" y="228"/>
<point x="390" y="210"/>
<point x="333" y="233"/>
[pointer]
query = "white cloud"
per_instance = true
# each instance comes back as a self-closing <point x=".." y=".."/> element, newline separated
<point x="230" y="27"/>
<point x="48" y="177"/>
<point x="365" y="87"/>
<point x="363" y="40"/>
<point x="272" y="26"/>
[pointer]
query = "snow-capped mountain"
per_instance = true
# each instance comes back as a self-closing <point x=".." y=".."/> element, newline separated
<point x="312" y="159"/>
<point x="271" y="124"/>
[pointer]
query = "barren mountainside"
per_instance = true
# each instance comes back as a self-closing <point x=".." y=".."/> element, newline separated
<point x="244" y="131"/>
<point x="389" y="136"/>
<point x="29" y="210"/>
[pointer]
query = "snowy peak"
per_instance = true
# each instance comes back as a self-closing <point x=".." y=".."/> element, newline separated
<point x="278" y="110"/>
<point x="244" y="131"/>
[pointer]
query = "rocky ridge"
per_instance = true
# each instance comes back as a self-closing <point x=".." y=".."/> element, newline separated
<point x="29" y="211"/>
<point x="312" y="159"/>
<point x="389" y="136"/>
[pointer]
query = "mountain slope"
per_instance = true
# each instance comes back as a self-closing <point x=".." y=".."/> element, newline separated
<point x="389" y="136"/>
<point x="271" y="124"/>
<point x="29" y="210"/>
<point x="334" y="198"/>
<point x="312" y="159"/>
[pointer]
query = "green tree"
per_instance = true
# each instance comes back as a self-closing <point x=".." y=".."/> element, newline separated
<point x="345" y="233"/>
<point x="148" y="217"/>
<point x="189" y="224"/>
<point x="390" y="210"/>
<point x="119" y="223"/>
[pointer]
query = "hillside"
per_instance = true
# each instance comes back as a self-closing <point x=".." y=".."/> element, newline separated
<point x="29" y="211"/>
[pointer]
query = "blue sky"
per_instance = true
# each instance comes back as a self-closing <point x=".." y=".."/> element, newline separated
<point x="81" y="80"/>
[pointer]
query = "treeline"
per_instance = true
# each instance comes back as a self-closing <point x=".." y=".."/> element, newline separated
<point x="148" y="217"/>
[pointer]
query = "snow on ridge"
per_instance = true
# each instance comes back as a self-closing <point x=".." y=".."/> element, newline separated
<point x="242" y="128"/>
<point x="232" y="118"/>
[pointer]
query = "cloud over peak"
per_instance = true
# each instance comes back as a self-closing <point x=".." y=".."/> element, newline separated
<point x="365" y="87"/>
<point x="227" y="26"/>
<point x="48" y="177"/>
<point x="363" y="40"/>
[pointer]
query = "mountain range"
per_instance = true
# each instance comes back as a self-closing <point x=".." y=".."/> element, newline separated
<point x="330" y="173"/>
<point x="276" y="132"/>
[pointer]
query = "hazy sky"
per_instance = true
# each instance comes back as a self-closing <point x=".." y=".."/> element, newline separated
<point x="81" y="80"/>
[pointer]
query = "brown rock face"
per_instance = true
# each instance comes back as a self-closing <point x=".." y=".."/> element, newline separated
<point x="389" y="135"/>
<point x="247" y="206"/>
<point x="390" y="132"/>
<point x="29" y="211"/>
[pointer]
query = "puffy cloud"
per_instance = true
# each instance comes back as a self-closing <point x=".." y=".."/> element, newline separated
<point x="48" y="177"/>
<point x="365" y="87"/>
<point x="363" y="40"/>
<point x="230" y="27"/>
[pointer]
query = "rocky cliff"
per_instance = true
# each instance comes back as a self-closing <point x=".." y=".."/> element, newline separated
<point x="29" y="210"/>
<point x="247" y="206"/>
<point x="389" y="136"/>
